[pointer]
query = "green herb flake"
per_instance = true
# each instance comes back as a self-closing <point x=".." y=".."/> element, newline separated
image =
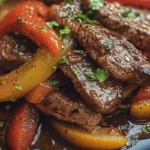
<point x="129" y="13"/>
<point x="29" y="77"/>
<point x="1" y="124"/>
<point x="84" y="18"/>
<point x="100" y="75"/>
<point x="133" y="142"/>
<point x="91" y="75"/>
<point x="70" y="15"/>
<point x="109" y="44"/>
<point x="21" y="20"/>
<point x="19" y="87"/>
<point x="147" y="129"/>
<point x="75" y="71"/>
<point x="13" y="100"/>
<point x="43" y="29"/>
<point x="65" y="31"/>
<point x="53" y="82"/>
<point x="65" y="61"/>
<point x="97" y="4"/>
<point x="20" y="54"/>
<point x="52" y="24"/>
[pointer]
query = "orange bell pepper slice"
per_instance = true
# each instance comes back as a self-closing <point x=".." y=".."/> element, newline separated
<point x="37" y="94"/>
<point x="29" y="18"/>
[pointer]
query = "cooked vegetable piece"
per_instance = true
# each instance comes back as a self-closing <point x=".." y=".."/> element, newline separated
<point x="40" y="68"/>
<point x="29" y="19"/>
<point x="37" y="94"/>
<point x="140" y="107"/>
<point x="138" y="3"/>
<point x="22" y="127"/>
<point x="96" y="138"/>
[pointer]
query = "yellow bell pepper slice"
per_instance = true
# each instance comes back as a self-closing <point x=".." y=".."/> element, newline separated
<point x="20" y="81"/>
<point x="140" y="109"/>
<point x="97" y="138"/>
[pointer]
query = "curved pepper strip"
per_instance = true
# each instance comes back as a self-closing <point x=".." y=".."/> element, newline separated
<point x="20" y="81"/>
<point x="96" y="138"/>
<point x="140" y="106"/>
<point x="29" y="19"/>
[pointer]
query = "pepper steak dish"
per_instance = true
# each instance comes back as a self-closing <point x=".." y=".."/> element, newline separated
<point x="75" y="74"/>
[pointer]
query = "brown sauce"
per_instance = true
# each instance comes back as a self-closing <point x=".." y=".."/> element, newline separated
<point x="47" y="138"/>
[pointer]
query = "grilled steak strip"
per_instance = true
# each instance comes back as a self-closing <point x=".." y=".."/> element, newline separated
<point x="103" y="97"/>
<point x="130" y="22"/>
<point x="67" y="106"/>
<point x="10" y="48"/>
<point x="108" y="49"/>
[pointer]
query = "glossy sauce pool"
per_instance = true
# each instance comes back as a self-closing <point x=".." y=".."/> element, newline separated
<point x="47" y="138"/>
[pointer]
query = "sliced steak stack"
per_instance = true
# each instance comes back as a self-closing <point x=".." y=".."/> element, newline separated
<point x="132" y="23"/>
<point x="107" y="48"/>
<point x="68" y="106"/>
<point x="14" y="51"/>
<point x="103" y="97"/>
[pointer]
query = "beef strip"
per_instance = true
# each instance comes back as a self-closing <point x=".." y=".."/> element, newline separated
<point x="10" y="46"/>
<point x="107" y="48"/>
<point x="67" y="106"/>
<point x="135" y="27"/>
<point x="103" y="97"/>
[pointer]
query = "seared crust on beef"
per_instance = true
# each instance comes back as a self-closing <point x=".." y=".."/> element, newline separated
<point x="136" y="30"/>
<point x="10" y="46"/>
<point x="103" y="97"/>
<point x="67" y="106"/>
<point x="123" y="60"/>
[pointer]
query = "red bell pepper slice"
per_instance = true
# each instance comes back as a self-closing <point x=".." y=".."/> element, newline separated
<point x="29" y="18"/>
<point x="138" y="3"/>
<point x="22" y="127"/>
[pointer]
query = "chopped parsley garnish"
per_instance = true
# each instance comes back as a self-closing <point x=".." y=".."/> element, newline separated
<point x="29" y="77"/>
<point x="70" y="15"/>
<point x="65" y="61"/>
<point x="19" y="87"/>
<point x="129" y="13"/>
<point x="43" y="29"/>
<point x="134" y="142"/>
<point x="13" y="100"/>
<point x="65" y="31"/>
<point x="53" y="82"/>
<point x="147" y="129"/>
<point x="83" y="18"/>
<point x="96" y="4"/>
<point x="1" y="124"/>
<point x="52" y="24"/>
<point x="100" y="75"/>
<point x="20" y="19"/>
<point x="109" y="44"/>
<point x="20" y="54"/>
<point x="75" y="71"/>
